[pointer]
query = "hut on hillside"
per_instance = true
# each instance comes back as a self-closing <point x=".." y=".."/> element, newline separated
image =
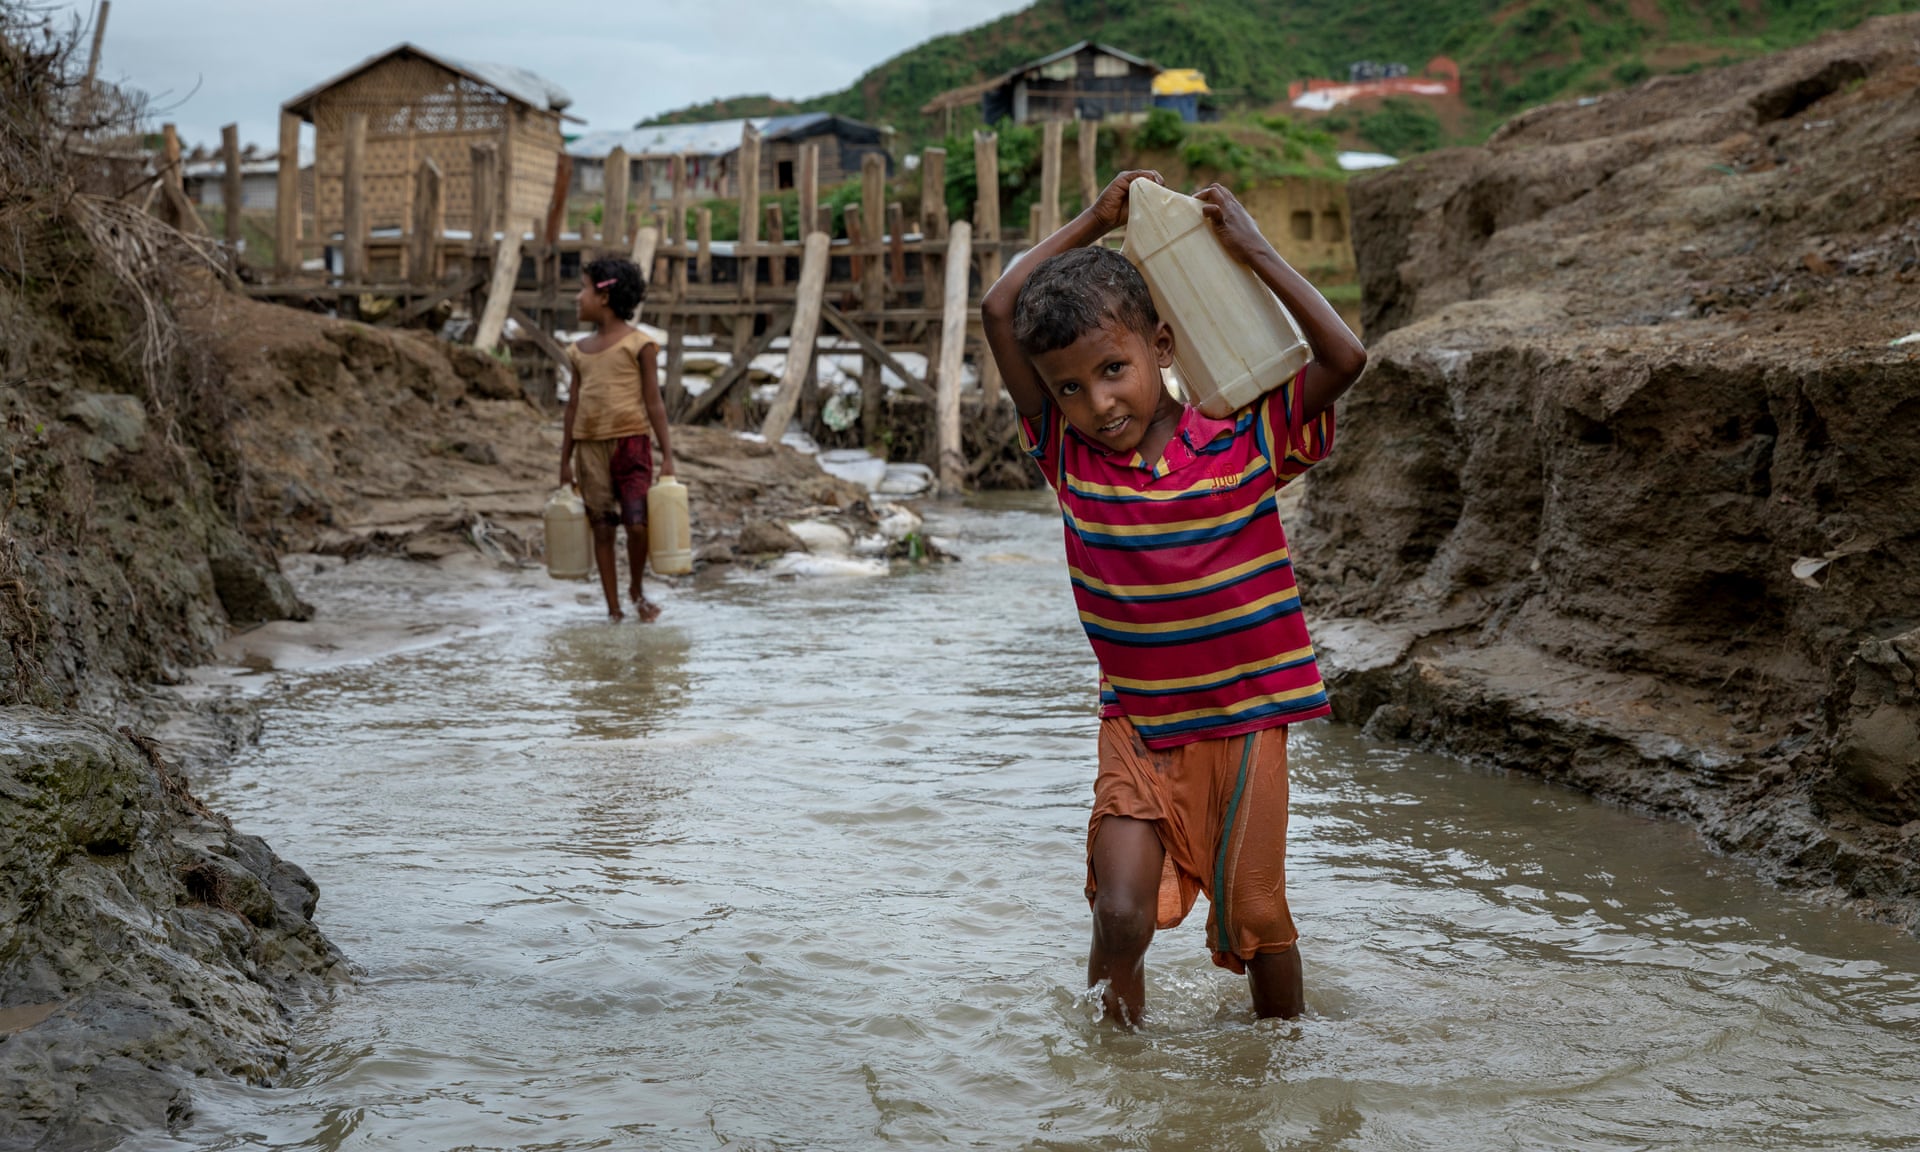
<point x="1085" y="81"/>
<point x="712" y="150"/>
<point x="420" y="105"/>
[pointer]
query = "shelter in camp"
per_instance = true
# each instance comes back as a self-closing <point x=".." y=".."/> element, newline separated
<point x="712" y="150"/>
<point x="1086" y="81"/>
<point x="422" y="105"/>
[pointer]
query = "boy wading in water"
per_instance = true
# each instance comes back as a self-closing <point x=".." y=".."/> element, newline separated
<point x="613" y="412"/>
<point x="1181" y="574"/>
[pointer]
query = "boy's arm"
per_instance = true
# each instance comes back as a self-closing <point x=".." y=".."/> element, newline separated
<point x="656" y="407"/>
<point x="1338" y="355"/>
<point x="996" y="308"/>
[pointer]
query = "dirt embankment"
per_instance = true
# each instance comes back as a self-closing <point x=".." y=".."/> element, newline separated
<point x="1627" y="494"/>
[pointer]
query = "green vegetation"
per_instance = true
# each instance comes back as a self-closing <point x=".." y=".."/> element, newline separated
<point x="1402" y="127"/>
<point x="1251" y="49"/>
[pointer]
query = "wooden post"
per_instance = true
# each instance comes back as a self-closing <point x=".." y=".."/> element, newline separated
<point x="646" y="241"/>
<point x="1089" y="143"/>
<point x="677" y="225"/>
<point x="613" y="218"/>
<point x="232" y="190"/>
<point x="814" y="257"/>
<point x="506" y="271"/>
<point x="777" y="236"/>
<point x="896" y="243"/>
<point x="587" y="232"/>
<point x="856" y="236"/>
<point x="170" y="155"/>
<point x="986" y="204"/>
<point x="483" y="217"/>
<point x="749" y="154"/>
<point x="986" y="225"/>
<point x="286" y="203"/>
<point x="809" y="188"/>
<point x="933" y="194"/>
<point x="93" y="55"/>
<point x="429" y="224"/>
<point x="953" y="343"/>
<point x="704" y="258"/>
<point x="1050" y="134"/>
<point x="353" y="200"/>
<point x="873" y="223"/>
<point x="675" y="390"/>
<point x="1036" y="220"/>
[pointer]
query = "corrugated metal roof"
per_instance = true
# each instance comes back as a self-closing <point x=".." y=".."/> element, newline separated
<point x="708" y="138"/>
<point x="516" y="83"/>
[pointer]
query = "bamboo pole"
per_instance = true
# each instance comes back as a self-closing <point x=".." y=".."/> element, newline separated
<point x="933" y="194"/>
<point x="353" y="200"/>
<point x="286" y="203"/>
<point x="506" y="271"/>
<point x="646" y="241"/>
<point x="809" y="188"/>
<point x="1088" y="144"/>
<point x="233" y="191"/>
<point x="170" y="155"/>
<point x="1050" y="136"/>
<point x="815" y="255"/>
<point x="953" y="343"/>
<point x="613" y="217"/>
<point x="93" y="55"/>
<point x="429" y="223"/>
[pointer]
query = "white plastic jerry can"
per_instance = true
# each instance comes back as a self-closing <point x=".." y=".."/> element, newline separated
<point x="669" y="529"/>
<point x="1233" y="341"/>
<point x="569" y="541"/>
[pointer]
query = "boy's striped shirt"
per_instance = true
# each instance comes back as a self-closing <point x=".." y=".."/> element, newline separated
<point x="1181" y="571"/>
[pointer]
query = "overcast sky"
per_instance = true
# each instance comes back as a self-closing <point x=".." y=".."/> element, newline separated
<point x="224" y="61"/>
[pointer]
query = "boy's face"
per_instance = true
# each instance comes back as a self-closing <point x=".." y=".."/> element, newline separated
<point x="1107" y="383"/>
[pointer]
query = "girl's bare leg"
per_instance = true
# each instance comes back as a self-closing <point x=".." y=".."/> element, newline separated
<point x="609" y="572"/>
<point x="637" y="561"/>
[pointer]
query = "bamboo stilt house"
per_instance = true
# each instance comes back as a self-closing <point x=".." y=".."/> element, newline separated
<point x="421" y="105"/>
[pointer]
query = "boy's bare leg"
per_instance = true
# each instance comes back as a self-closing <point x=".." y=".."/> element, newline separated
<point x="637" y="562"/>
<point x="1127" y="858"/>
<point x="1275" y="977"/>
<point x="609" y="572"/>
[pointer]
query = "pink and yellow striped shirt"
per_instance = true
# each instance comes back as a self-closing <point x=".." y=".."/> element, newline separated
<point x="1181" y="572"/>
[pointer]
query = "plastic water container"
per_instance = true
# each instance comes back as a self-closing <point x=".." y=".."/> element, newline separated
<point x="669" y="530"/>
<point x="569" y="541"/>
<point x="1232" y="339"/>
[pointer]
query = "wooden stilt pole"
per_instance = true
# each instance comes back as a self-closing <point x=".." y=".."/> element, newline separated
<point x="506" y="271"/>
<point x="986" y="225"/>
<point x="1088" y="144"/>
<point x="353" y="200"/>
<point x="429" y="224"/>
<point x="809" y="182"/>
<point x="286" y="203"/>
<point x="233" y="190"/>
<point x="1050" y="136"/>
<point x="613" y="217"/>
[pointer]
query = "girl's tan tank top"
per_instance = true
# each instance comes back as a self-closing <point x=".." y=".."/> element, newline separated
<point x="611" y="404"/>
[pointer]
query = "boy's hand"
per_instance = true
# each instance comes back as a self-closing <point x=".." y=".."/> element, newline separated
<point x="1232" y="223"/>
<point x="566" y="473"/>
<point x="1110" y="209"/>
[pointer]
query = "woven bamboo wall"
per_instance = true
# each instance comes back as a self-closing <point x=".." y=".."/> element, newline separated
<point x="416" y="110"/>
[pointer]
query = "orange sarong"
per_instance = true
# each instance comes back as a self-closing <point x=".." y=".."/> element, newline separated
<point x="1220" y="808"/>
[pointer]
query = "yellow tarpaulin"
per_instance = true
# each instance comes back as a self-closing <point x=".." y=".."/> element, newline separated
<point x="1179" y="82"/>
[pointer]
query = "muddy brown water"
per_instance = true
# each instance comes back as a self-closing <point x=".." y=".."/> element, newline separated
<point x="800" y="868"/>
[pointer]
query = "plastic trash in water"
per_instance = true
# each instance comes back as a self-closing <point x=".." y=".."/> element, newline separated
<point x="854" y="465"/>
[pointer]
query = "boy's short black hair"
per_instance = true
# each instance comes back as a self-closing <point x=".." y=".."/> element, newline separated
<point x="628" y="289"/>
<point x="1077" y="291"/>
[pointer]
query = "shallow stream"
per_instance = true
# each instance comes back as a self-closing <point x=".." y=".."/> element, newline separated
<point x="800" y="867"/>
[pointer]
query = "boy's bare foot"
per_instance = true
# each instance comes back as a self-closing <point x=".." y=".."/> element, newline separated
<point x="649" y="611"/>
<point x="616" y="616"/>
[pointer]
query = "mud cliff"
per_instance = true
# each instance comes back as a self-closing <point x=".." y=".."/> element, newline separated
<point x="1627" y="495"/>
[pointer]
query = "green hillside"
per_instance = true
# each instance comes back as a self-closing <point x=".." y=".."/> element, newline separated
<point x="1512" y="53"/>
